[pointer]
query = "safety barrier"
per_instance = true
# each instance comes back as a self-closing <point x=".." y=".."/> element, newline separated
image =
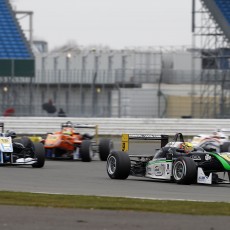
<point x="116" y="126"/>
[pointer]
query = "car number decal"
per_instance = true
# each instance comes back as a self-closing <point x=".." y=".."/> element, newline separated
<point x="6" y="144"/>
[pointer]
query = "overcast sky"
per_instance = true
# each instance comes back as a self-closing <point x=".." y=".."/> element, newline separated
<point x="114" y="23"/>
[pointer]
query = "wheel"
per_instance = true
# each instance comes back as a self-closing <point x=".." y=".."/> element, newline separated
<point x="184" y="170"/>
<point x="225" y="147"/>
<point x="105" y="147"/>
<point x="118" y="165"/>
<point x="86" y="151"/>
<point x="27" y="143"/>
<point x="39" y="154"/>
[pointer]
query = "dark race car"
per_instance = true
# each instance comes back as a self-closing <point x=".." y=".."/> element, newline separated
<point x="69" y="143"/>
<point x="176" y="161"/>
<point x="20" y="150"/>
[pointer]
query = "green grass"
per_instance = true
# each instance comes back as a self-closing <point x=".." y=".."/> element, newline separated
<point x="111" y="203"/>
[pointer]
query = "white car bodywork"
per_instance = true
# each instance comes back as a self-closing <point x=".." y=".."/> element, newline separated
<point x="162" y="169"/>
<point x="217" y="139"/>
<point x="157" y="169"/>
<point x="7" y="147"/>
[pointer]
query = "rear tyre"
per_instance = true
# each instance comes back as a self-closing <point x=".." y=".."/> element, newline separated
<point x="39" y="154"/>
<point x="86" y="151"/>
<point x="105" y="147"/>
<point x="118" y="165"/>
<point x="184" y="170"/>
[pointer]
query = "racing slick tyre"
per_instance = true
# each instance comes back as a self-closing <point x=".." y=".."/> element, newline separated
<point x="225" y="147"/>
<point x="86" y="151"/>
<point x="184" y="170"/>
<point x="39" y="154"/>
<point x="118" y="165"/>
<point x="104" y="148"/>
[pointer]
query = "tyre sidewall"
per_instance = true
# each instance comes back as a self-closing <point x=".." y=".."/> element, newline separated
<point x="189" y="172"/>
<point x="39" y="154"/>
<point x="123" y="165"/>
<point x="104" y="148"/>
<point x="86" y="151"/>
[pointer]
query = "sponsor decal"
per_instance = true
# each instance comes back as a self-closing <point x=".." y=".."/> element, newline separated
<point x="207" y="157"/>
<point x="196" y="157"/>
<point x="159" y="170"/>
<point x="6" y="144"/>
<point x="202" y="178"/>
<point x="145" y="137"/>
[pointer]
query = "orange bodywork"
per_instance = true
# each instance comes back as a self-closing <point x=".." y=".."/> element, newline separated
<point x="65" y="139"/>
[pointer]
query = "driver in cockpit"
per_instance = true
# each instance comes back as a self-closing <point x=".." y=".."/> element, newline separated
<point x="187" y="147"/>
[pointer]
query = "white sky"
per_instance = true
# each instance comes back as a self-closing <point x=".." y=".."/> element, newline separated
<point x="114" y="23"/>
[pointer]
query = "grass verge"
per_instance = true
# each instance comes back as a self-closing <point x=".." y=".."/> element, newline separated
<point x="114" y="203"/>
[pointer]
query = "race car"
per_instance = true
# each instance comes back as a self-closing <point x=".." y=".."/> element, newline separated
<point x="20" y="150"/>
<point x="176" y="161"/>
<point x="218" y="140"/>
<point x="69" y="143"/>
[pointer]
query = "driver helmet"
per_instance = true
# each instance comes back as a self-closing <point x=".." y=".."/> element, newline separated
<point x="10" y="133"/>
<point x="217" y="134"/>
<point x="187" y="147"/>
<point x="69" y="124"/>
<point x="67" y="131"/>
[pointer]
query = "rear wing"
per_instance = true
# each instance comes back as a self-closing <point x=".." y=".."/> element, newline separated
<point x="126" y="137"/>
<point x="81" y="126"/>
<point x="2" y="126"/>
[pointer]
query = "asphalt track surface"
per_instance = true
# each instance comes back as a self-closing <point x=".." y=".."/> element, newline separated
<point x="76" y="177"/>
<point x="36" y="218"/>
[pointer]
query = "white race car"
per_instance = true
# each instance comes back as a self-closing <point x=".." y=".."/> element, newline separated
<point x="218" y="140"/>
<point x="20" y="150"/>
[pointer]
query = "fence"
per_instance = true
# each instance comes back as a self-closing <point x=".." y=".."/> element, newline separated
<point x="116" y="126"/>
<point x="118" y="96"/>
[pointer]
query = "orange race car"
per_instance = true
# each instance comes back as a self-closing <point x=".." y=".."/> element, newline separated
<point x="68" y="143"/>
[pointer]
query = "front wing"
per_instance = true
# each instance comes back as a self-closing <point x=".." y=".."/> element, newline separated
<point x="21" y="161"/>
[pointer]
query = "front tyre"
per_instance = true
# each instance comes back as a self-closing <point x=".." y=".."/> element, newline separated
<point x="105" y="147"/>
<point x="118" y="165"/>
<point x="184" y="170"/>
<point x="39" y="154"/>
